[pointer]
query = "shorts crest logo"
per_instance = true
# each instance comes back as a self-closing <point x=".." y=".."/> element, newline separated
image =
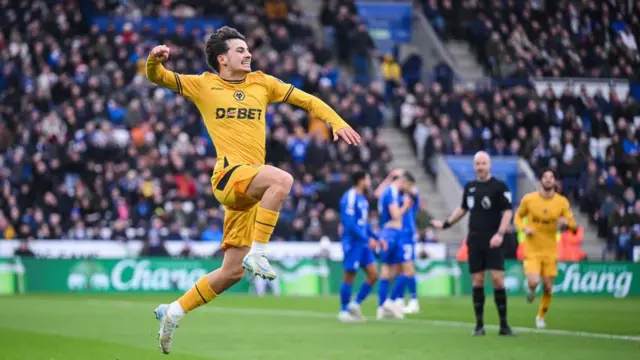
<point x="238" y="95"/>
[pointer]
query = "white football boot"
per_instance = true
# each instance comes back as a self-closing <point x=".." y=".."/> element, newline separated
<point x="413" y="307"/>
<point x="355" y="311"/>
<point x="168" y="326"/>
<point x="258" y="265"/>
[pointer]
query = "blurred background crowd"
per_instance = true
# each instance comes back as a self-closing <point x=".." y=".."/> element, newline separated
<point x="515" y="39"/>
<point x="89" y="149"/>
<point x="92" y="150"/>
<point x="590" y="139"/>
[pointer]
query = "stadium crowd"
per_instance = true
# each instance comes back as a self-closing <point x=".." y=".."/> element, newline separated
<point x="590" y="139"/>
<point x="515" y="39"/>
<point x="90" y="149"/>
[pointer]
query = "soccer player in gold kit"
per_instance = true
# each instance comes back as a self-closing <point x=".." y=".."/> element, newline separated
<point x="233" y="104"/>
<point x="545" y="211"/>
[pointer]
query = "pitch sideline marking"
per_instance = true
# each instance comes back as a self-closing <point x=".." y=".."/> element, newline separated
<point x="325" y="315"/>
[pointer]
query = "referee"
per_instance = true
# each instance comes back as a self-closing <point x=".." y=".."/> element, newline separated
<point x="488" y="200"/>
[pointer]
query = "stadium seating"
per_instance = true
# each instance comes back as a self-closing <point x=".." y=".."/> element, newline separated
<point x="514" y="39"/>
<point x="91" y="150"/>
<point x="591" y="139"/>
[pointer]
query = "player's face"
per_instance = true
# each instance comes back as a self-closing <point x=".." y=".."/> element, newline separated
<point x="481" y="165"/>
<point x="238" y="56"/>
<point x="548" y="181"/>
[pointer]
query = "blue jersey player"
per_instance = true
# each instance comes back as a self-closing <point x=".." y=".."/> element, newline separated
<point x="358" y="239"/>
<point x="406" y="273"/>
<point x="393" y="203"/>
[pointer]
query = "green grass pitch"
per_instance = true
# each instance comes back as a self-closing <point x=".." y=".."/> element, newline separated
<point x="122" y="327"/>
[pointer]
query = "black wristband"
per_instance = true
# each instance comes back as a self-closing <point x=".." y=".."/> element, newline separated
<point x="446" y="224"/>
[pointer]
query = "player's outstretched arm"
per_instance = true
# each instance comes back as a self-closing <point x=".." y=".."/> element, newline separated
<point x="456" y="215"/>
<point x="281" y="92"/>
<point x="187" y="85"/>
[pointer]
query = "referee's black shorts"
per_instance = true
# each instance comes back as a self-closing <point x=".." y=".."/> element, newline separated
<point x="481" y="256"/>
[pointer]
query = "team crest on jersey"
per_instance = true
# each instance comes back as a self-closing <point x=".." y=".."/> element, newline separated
<point x="238" y="95"/>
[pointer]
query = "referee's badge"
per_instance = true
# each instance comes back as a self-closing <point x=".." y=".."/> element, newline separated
<point x="470" y="201"/>
<point x="486" y="203"/>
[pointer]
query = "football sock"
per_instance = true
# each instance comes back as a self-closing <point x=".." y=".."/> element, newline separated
<point x="478" y="305"/>
<point x="500" y="297"/>
<point x="365" y="290"/>
<point x="398" y="287"/>
<point x="383" y="290"/>
<point x="263" y="228"/>
<point x="200" y="294"/>
<point x="545" y="302"/>
<point x="413" y="286"/>
<point x="345" y="295"/>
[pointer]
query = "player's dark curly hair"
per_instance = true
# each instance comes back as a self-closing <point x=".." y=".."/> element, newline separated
<point x="217" y="45"/>
<point x="357" y="177"/>
<point x="549" y="170"/>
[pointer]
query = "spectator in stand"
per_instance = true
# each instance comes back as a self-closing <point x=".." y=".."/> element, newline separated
<point x="557" y="39"/>
<point x="391" y="74"/>
<point x="23" y="250"/>
<point x="589" y="137"/>
<point x="90" y="150"/>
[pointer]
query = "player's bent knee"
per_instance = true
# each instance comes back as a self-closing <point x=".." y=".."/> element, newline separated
<point x="282" y="183"/>
<point x="286" y="180"/>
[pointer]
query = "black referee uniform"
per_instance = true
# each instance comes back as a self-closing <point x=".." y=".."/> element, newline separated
<point x="486" y="201"/>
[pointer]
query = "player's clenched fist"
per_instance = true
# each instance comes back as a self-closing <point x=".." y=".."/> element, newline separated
<point x="160" y="52"/>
